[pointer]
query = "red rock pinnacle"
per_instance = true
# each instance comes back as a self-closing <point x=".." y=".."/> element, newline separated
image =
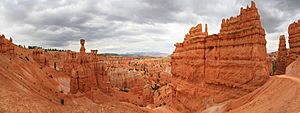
<point x="281" y="57"/>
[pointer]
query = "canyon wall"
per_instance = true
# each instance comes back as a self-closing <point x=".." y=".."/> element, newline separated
<point x="281" y="57"/>
<point x="218" y="67"/>
<point x="294" y="41"/>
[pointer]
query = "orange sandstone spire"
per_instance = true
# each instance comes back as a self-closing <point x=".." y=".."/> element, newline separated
<point x="206" y="29"/>
<point x="10" y="39"/>
<point x="282" y="56"/>
<point x="82" y="49"/>
<point x="253" y="4"/>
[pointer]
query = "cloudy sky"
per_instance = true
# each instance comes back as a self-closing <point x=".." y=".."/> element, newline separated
<point x="121" y="26"/>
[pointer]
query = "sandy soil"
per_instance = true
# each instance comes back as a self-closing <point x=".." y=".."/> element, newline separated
<point x="281" y="94"/>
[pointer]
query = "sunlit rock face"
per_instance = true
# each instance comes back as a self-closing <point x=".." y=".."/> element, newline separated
<point x="281" y="57"/>
<point x="294" y="41"/>
<point x="214" y="68"/>
<point x="86" y="71"/>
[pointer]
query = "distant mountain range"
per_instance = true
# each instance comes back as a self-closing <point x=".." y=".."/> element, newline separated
<point x="150" y="54"/>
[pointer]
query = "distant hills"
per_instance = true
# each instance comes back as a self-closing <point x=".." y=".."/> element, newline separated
<point x="150" y="54"/>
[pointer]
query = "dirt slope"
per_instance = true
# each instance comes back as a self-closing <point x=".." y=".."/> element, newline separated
<point x="281" y="94"/>
<point x="294" y="69"/>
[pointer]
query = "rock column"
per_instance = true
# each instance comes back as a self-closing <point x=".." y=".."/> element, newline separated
<point x="281" y="57"/>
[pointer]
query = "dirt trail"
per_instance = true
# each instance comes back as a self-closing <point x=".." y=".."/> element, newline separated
<point x="281" y="94"/>
<point x="296" y="79"/>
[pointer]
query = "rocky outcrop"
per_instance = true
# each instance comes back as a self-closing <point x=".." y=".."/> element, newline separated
<point x="218" y="67"/>
<point x="294" y="41"/>
<point x="6" y="46"/>
<point x="38" y="56"/>
<point x="85" y="71"/>
<point x="281" y="57"/>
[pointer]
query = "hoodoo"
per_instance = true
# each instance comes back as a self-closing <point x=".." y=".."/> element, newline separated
<point x="221" y="66"/>
<point x="294" y="41"/>
<point x="85" y="71"/>
<point x="6" y="46"/>
<point x="82" y="48"/>
<point x="281" y="57"/>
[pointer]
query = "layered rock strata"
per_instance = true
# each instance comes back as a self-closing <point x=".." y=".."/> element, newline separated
<point x="294" y="41"/>
<point x="86" y="71"/>
<point x="218" y="67"/>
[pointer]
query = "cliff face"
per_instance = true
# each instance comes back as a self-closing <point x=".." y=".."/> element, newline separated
<point x="294" y="41"/>
<point x="281" y="57"/>
<point x="218" y="67"/>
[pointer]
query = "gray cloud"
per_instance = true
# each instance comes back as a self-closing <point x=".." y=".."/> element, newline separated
<point x="132" y="25"/>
